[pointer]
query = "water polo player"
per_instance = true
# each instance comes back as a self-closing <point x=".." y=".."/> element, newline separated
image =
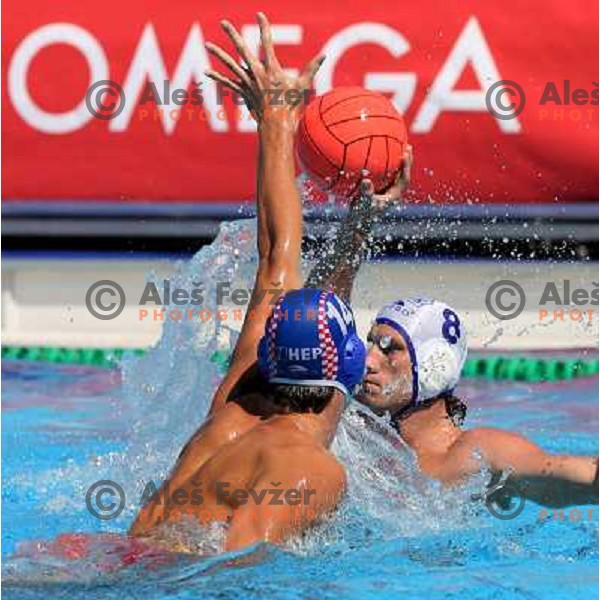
<point x="417" y="348"/>
<point x="293" y="368"/>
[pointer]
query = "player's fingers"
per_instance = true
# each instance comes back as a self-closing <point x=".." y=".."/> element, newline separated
<point x="380" y="201"/>
<point x="391" y="197"/>
<point x="240" y="45"/>
<point x="229" y="62"/>
<point x="366" y="187"/>
<point x="408" y="160"/>
<point x="232" y="85"/>
<point x="405" y="172"/>
<point x="394" y="193"/>
<point x="267" y="40"/>
<point x="310" y="71"/>
<point x="403" y="178"/>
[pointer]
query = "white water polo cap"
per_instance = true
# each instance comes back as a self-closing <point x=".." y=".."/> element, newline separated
<point x="436" y="340"/>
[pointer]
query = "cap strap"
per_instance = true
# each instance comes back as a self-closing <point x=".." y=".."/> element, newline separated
<point x="411" y="352"/>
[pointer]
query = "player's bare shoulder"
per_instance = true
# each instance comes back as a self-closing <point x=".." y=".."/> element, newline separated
<point x="474" y="444"/>
<point x="486" y="439"/>
<point x="466" y="456"/>
<point x="305" y="460"/>
<point x="488" y="447"/>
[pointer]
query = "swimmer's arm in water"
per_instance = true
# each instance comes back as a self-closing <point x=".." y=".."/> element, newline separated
<point x="551" y="480"/>
<point x="338" y="268"/>
<point x="279" y="208"/>
<point x="275" y="523"/>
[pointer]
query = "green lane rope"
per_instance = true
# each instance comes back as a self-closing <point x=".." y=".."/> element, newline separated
<point x="97" y="357"/>
<point x="524" y="368"/>
<point x="491" y="368"/>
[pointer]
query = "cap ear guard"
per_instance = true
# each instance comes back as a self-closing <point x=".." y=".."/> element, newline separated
<point x="351" y="362"/>
<point x="438" y="369"/>
<point x="263" y="358"/>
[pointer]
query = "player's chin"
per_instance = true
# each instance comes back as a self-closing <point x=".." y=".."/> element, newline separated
<point x="371" y="395"/>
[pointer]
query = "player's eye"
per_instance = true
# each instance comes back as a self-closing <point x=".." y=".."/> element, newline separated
<point x="385" y="344"/>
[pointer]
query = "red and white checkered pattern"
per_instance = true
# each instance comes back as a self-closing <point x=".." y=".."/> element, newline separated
<point x="329" y="360"/>
<point x="272" y="325"/>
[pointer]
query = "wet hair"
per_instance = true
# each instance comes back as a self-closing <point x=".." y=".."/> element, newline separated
<point x="288" y="397"/>
<point x="456" y="409"/>
<point x="301" y="398"/>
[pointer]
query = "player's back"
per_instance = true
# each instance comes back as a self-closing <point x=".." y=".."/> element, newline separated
<point x="220" y="429"/>
<point x="268" y="433"/>
<point x="265" y="483"/>
<point x="274" y="479"/>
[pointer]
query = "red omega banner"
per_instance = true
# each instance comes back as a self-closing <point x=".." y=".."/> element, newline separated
<point x="535" y="141"/>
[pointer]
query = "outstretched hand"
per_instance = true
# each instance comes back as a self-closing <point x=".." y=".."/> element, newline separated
<point x="393" y="195"/>
<point x="256" y="80"/>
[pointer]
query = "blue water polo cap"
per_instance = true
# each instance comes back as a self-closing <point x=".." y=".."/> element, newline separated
<point x="310" y="339"/>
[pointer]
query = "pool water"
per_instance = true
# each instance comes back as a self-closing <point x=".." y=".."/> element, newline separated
<point x="65" y="427"/>
<point x="397" y="534"/>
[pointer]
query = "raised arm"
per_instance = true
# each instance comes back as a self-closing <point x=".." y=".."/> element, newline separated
<point x="338" y="268"/>
<point x="279" y="209"/>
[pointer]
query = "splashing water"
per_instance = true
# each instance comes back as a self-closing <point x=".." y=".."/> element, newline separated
<point x="166" y="394"/>
<point x="170" y="390"/>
